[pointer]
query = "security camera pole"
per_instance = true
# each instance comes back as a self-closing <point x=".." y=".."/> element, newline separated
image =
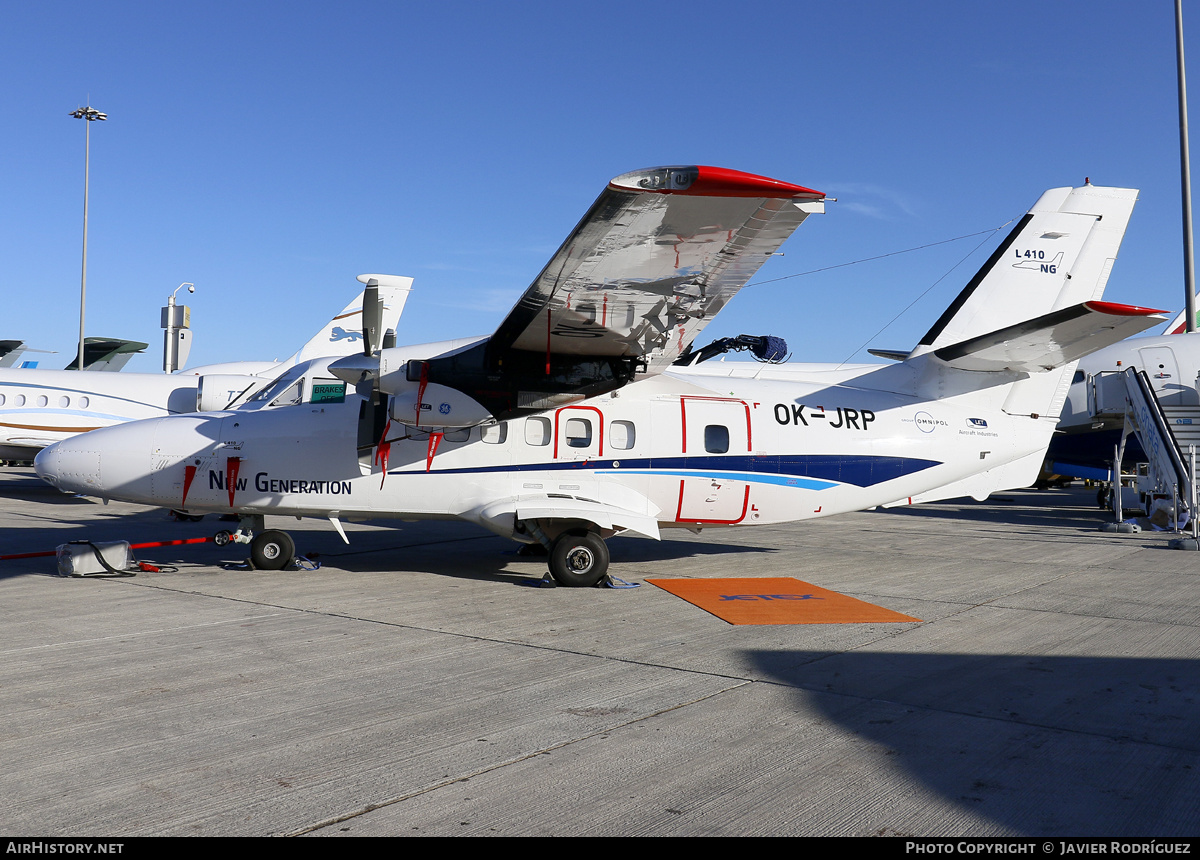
<point x="90" y="114"/>
<point x="177" y="339"/>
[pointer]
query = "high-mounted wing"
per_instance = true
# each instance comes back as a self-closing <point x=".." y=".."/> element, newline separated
<point x="655" y="258"/>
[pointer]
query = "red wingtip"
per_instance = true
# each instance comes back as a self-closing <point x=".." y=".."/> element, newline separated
<point x="704" y="181"/>
<point x="1116" y="309"/>
<point x="719" y="182"/>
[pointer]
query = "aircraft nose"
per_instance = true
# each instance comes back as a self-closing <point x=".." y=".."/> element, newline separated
<point x="113" y="462"/>
<point x="69" y="466"/>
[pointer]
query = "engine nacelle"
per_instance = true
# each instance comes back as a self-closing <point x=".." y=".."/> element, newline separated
<point x="432" y="405"/>
<point x="217" y="390"/>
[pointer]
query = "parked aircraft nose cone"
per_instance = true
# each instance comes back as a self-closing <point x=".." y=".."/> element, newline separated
<point x="69" y="466"/>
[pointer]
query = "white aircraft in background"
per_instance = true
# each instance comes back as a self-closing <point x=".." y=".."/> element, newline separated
<point x="1089" y="431"/>
<point x="41" y="407"/>
<point x="574" y="422"/>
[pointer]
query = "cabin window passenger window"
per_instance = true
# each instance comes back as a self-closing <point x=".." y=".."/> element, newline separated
<point x="537" y="431"/>
<point x="495" y="434"/>
<point x="460" y="435"/>
<point x="716" y="438"/>
<point x="64" y="401"/>
<point x="19" y="400"/>
<point x="579" y="432"/>
<point x="621" y="435"/>
<point x="1" y="399"/>
<point x="42" y="400"/>
<point x="84" y="402"/>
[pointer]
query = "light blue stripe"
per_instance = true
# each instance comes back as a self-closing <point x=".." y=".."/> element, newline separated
<point x="798" y="481"/>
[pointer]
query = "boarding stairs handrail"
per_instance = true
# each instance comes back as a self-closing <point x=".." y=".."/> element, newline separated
<point x="1144" y="415"/>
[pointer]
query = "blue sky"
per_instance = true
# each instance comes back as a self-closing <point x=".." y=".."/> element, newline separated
<point x="269" y="153"/>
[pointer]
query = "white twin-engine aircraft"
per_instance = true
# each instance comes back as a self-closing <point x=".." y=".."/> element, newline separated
<point x="580" y="417"/>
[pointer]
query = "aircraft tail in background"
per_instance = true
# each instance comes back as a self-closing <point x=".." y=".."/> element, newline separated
<point x="343" y="335"/>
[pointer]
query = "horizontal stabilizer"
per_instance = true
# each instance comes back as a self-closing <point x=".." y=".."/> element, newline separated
<point x="890" y="354"/>
<point x="107" y="353"/>
<point x="1051" y="340"/>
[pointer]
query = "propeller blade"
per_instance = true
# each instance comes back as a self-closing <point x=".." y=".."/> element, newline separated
<point x="372" y="317"/>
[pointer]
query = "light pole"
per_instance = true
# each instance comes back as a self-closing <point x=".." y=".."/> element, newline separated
<point x="90" y="114"/>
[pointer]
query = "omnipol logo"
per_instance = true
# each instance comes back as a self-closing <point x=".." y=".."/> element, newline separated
<point x="926" y="423"/>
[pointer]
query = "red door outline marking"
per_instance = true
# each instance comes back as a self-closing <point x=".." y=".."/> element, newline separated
<point x="683" y="398"/>
<point x="599" y="421"/>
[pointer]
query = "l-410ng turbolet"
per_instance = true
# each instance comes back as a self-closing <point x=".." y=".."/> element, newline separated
<point x="576" y="420"/>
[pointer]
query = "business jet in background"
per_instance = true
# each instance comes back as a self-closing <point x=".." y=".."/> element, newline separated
<point x="41" y="407"/>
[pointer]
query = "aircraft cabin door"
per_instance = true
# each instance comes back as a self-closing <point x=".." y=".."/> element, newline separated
<point x="717" y="442"/>
<point x="1163" y="370"/>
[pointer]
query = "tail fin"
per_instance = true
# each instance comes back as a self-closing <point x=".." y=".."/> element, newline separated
<point x="343" y="334"/>
<point x="1058" y="256"/>
<point x="1179" y="324"/>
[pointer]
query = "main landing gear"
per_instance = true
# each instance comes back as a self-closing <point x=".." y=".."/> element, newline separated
<point x="269" y="550"/>
<point x="578" y="559"/>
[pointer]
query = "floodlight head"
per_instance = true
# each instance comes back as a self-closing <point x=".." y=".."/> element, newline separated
<point x="89" y="113"/>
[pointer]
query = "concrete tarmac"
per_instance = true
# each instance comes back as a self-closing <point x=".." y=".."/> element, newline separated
<point x="416" y="685"/>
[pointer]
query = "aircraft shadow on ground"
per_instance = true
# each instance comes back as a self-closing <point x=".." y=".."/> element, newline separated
<point x="1040" y="745"/>
<point x="441" y="547"/>
<point x="995" y="511"/>
<point x="465" y="552"/>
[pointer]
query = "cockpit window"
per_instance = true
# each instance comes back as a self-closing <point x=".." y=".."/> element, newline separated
<point x="293" y="395"/>
<point x="271" y="394"/>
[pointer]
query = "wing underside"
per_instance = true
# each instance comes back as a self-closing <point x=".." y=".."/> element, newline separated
<point x="657" y="256"/>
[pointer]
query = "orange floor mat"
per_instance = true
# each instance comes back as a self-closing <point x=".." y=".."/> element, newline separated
<point x="776" y="600"/>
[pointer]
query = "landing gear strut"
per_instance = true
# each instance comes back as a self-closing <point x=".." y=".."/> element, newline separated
<point x="578" y="560"/>
<point x="269" y="550"/>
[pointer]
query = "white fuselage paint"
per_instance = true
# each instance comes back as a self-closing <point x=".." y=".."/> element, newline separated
<point x="799" y="442"/>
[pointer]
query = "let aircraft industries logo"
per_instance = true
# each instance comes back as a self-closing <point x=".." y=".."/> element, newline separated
<point x="977" y="427"/>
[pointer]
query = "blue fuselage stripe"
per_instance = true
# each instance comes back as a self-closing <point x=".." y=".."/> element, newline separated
<point x="809" y="471"/>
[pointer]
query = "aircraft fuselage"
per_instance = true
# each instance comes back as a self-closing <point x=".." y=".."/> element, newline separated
<point x="733" y="444"/>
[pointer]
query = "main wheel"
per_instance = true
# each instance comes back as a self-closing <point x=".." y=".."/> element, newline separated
<point x="579" y="561"/>
<point x="272" y="550"/>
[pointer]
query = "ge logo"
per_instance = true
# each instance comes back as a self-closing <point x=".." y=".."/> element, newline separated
<point x="444" y="409"/>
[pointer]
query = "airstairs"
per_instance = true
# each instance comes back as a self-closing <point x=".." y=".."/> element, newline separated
<point x="1169" y="434"/>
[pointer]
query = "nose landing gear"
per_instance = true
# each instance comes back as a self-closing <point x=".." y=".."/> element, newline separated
<point x="269" y="550"/>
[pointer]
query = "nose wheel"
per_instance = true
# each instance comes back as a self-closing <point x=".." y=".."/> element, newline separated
<point x="579" y="560"/>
